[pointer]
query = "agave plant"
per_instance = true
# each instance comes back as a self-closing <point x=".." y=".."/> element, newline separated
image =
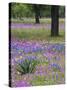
<point x="27" y="66"/>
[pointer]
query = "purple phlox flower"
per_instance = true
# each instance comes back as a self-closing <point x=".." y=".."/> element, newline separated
<point x="41" y="70"/>
<point x="13" y="61"/>
<point x="41" y="73"/>
<point x="36" y="47"/>
<point x="22" y="83"/>
<point x="62" y="70"/>
<point x="48" y="55"/>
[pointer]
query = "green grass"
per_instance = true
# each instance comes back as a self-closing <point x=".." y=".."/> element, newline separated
<point x="32" y="20"/>
<point x="42" y="80"/>
<point x="41" y="34"/>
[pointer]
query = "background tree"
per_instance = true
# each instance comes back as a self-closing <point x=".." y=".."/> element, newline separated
<point x="28" y="10"/>
<point x="36" y="9"/>
<point x="55" y="20"/>
<point x="61" y="11"/>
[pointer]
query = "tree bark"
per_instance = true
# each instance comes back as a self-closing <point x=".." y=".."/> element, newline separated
<point x="36" y="10"/>
<point x="55" y="20"/>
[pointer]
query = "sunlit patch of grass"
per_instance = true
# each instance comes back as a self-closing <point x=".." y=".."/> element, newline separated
<point x="42" y="80"/>
<point x="41" y="34"/>
<point x="50" y="79"/>
<point x="32" y="20"/>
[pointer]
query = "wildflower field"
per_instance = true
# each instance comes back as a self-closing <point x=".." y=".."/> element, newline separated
<point x="36" y="57"/>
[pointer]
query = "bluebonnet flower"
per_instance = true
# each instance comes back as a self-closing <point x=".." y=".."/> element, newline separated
<point x="31" y="57"/>
<point x="59" y="47"/>
<point x="55" y="66"/>
<point x="20" y="61"/>
<point x="26" y="50"/>
<point x="57" y="76"/>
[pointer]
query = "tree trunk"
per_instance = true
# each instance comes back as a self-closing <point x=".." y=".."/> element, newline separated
<point x="55" y="20"/>
<point x="36" y="10"/>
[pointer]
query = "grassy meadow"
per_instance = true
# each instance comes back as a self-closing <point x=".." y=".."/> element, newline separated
<point x="37" y="58"/>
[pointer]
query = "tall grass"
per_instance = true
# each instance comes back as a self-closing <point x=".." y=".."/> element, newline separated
<point x="41" y="34"/>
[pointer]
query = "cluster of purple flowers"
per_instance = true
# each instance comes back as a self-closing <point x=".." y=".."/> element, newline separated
<point x="55" y="66"/>
<point x="19" y="48"/>
<point x="27" y="47"/>
<point x="22" y="84"/>
<point x="50" y="54"/>
<point x="30" y="58"/>
<point x="56" y="47"/>
<point x="35" y="47"/>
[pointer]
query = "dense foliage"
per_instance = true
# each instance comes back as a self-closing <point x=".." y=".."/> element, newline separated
<point x="19" y="10"/>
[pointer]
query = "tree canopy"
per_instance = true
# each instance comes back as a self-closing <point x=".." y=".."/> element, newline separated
<point x="20" y="10"/>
